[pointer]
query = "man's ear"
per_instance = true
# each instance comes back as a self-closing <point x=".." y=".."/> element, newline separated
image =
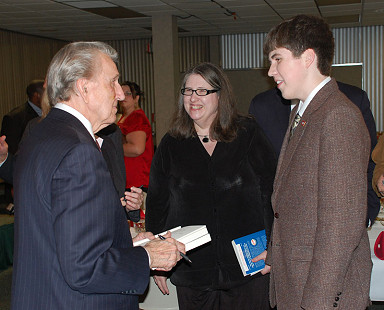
<point x="81" y="89"/>
<point x="309" y="57"/>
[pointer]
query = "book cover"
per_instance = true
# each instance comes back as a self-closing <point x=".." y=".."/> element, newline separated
<point x="192" y="236"/>
<point x="248" y="247"/>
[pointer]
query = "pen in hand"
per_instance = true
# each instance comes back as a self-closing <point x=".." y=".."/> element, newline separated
<point x="182" y="254"/>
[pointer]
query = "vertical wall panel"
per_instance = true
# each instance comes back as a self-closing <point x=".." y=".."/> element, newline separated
<point x="373" y="59"/>
<point x="242" y="51"/>
<point x="193" y="50"/>
<point x="347" y="45"/>
<point x="22" y="58"/>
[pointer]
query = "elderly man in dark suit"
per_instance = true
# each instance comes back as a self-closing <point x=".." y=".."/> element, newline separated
<point x="272" y="112"/>
<point x="319" y="251"/>
<point x="73" y="248"/>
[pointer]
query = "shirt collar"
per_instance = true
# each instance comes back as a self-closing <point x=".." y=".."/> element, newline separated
<point x="35" y="108"/>
<point x="304" y="105"/>
<point x="78" y="115"/>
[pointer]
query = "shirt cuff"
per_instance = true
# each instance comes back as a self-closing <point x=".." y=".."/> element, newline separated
<point x="149" y="257"/>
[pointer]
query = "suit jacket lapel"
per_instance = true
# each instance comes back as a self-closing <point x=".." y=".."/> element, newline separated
<point x="290" y="145"/>
<point x="283" y="153"/>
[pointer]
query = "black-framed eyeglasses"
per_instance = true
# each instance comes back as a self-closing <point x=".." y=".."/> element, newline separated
<point x="199" y="92"/>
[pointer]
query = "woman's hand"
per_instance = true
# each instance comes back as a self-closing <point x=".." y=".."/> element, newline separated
<point x="3" y="149"/>
<point x="161" y="282"/>
<point x="143" y="235"/>
<point x="262" y="256"/>
<point x="380" y="185"/>
<point x="133" y="199"/>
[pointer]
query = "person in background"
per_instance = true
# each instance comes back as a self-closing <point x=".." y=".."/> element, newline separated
<point x="216" y="168"/>
<point x="73" y="247"/>
<point x="137" y="136"/>
<point x="378" y="173"/>
<point x="319" y="251"/>
<point x="14" y="123"/>
<point x="272" y="112"/>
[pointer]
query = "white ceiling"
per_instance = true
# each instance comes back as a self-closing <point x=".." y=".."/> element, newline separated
<point x="56" y="20"/>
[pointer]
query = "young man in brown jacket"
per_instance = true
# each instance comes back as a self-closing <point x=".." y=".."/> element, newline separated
<point x="319" y="251"/>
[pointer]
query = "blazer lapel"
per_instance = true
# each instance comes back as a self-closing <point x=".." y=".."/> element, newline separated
<point x="290" y="145"/>
<point x="283" y="158"/>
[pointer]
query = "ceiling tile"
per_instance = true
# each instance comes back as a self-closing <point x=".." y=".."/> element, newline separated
<point x="199" y="17"/>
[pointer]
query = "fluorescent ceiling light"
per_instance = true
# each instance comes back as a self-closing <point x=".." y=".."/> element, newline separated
<point x="89" y="4"/>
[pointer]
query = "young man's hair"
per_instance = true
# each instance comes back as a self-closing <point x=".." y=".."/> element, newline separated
<point x="300" y="33"/>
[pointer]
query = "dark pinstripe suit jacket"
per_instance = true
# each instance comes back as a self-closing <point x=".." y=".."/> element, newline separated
<point x="73" y="248"/>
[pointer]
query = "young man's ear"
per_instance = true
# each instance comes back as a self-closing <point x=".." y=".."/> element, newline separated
<point x="309" y="57"/>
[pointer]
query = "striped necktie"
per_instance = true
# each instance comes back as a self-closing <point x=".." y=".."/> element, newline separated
<point x="296" y="122"/>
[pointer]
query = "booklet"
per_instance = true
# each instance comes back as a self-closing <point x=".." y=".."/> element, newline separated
<point x="248" y="247"/>
<point x="192" y="236"/>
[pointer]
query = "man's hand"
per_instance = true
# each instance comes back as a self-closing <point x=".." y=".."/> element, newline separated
<point x="3" y="149"/>
<point x="262" y="256"/>
<point x="164" y="254"/>
<point x="133" y="199"/>
<point x="380" y="185"/>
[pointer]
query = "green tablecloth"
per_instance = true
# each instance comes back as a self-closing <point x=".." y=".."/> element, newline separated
<point x="6" y="246"/>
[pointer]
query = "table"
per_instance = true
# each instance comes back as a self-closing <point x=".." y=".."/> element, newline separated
<point x="377" y="277"/>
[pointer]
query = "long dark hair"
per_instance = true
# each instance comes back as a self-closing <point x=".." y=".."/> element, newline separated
<point x="135" y="90"/>
<point x="224" y="126"/>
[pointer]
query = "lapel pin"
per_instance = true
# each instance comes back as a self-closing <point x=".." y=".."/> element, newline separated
<point x="303" y="123"/>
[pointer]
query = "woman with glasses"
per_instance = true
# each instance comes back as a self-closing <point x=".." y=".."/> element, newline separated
<point x="213" y="167"/>
<point x="137" y="137"/>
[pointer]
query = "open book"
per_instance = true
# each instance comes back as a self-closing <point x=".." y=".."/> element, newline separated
<point x="192" y="236"/>
<point x="248" y="247"/>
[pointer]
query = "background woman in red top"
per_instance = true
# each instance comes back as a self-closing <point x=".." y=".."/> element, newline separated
<point x="137" y="137"/>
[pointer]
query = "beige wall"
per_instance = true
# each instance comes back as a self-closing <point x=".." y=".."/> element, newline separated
<point x="22" y="59"/>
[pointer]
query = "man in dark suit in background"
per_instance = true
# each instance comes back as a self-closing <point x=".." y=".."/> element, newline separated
<point x="14" y="123"/>
<point x="73" y="248"/>
<point x="272" y="112"/>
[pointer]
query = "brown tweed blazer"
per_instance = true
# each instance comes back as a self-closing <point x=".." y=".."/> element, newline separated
<point x="319" y="249"/>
